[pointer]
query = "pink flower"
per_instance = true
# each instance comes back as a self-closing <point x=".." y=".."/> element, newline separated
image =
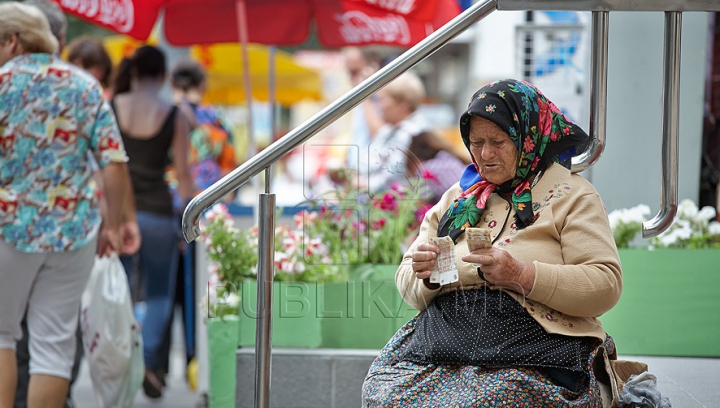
<point x="420" y="213"/>
<point x="529" y="145"/>
<point x="535" y="162"/>
<point x="387" y="203"/>
<point x="429" y="176"/>
<point x="376" y="225"/>
<point x="305" y="216"/>
<point x="544" y="117"/>
<point x="359" y="226"/>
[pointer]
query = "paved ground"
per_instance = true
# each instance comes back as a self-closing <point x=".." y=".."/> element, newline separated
<point x="688" y="382"/>
<point x="177" y="394"/>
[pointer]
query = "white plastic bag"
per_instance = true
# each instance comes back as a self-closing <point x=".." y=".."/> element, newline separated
<point x="111" y="336"/>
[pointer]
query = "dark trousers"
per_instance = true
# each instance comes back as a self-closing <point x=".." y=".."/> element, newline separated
<point x="185" y="281"/>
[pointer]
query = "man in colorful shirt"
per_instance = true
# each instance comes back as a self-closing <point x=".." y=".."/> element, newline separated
<point x="51" y="115"/>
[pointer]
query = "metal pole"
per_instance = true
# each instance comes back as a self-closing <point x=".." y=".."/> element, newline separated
<point x="272" y="101"/>
<point x="670" y="123"/>
<point x="263" y="326"/>
<point x="334" y="111"/>
<point x="598" y="92"/>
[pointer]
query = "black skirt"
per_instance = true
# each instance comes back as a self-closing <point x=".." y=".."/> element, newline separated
<point x="489" y="328"/>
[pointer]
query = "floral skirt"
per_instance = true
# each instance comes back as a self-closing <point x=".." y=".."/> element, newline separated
<point x="394" y="383"/>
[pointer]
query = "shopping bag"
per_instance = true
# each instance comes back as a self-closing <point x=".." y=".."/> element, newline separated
<point x="111" y="336"/>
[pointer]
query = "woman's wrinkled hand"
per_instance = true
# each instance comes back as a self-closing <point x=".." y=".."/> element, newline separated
<point x="502" y="269"/>
<point x="423" y="259"/>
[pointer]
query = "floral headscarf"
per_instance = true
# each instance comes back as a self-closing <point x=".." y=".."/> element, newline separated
<point x="532" y="122"/>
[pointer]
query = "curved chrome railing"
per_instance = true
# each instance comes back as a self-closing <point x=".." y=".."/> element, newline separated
<point x="321" y="120"/>
<point x="670" y="125"/>
<point x="598" y="92"/>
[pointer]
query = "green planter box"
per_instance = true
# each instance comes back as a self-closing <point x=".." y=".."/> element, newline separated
<point x="222" y="338"/>
<point x="295" y="322"/>
<point x="670" y="303"/>
<point x="362" y="313"/>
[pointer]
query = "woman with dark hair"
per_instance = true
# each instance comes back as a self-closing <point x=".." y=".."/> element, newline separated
<point x="150" y="128"/>
<point x="434" y="160"/>
<point x="211" y="153"/>
<point x="89" y="54"/>
<point x="515" y="322"/>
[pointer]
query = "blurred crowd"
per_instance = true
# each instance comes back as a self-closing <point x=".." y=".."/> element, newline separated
<point x="162" y="153"/>
<point x="122" y="165"/>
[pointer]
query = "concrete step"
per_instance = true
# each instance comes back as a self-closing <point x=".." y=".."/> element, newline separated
<point x="307" y="378"/>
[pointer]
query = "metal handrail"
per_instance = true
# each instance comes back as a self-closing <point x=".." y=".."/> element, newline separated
<point x="296" y="137"/>
<point x="598" y="102"/>
<point x="598" y="93"/>
<point x="610" y="5"/>
<point x="670" y="123"/>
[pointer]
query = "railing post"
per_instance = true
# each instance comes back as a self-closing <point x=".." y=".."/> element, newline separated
<point x="598" y="92"/>
<point x="670" y="124"/>
<point x="263" y="326"/>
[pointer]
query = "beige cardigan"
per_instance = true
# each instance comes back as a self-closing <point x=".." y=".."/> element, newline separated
<point x="578" y="276"/>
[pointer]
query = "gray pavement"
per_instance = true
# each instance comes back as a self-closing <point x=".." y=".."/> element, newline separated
<point x="177" y="393"/>
<point x="688" y="382"/>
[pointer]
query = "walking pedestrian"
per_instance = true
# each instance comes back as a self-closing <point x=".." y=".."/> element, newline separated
<point x="50" y="117"/>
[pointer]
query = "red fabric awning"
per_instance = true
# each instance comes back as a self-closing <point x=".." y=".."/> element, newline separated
<point x="279" y="22"/>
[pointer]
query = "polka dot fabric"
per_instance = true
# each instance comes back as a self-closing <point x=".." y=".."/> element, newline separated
<point x="394" y="382"/>
<point x="489" y="328"/>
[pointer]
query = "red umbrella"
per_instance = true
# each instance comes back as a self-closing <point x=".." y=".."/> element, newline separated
<point x="278" y="22"/>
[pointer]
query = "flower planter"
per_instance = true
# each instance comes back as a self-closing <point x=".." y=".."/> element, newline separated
<point x="294" y="315"/>
<point x="222" y="338"/>
<point x="669" y="305"/>
<point x="295" y="322"/>
<point x="364" y="312"/>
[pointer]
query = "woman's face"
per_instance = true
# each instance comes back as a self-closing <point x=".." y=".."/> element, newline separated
<point x="493" y="151"/>
<point x="392" y="111"/>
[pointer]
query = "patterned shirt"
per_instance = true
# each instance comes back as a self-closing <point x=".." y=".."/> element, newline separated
<point x="51" y="115"/>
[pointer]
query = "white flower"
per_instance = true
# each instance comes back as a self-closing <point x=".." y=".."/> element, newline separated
<point x="707" y="213"/>
<point x="635" y="214"/>
<point x="638" y="213"/>
<point x="684" y="232"/>
<point x="668" y="238"/>
<point x="714" y="228"/>
<point x="232" y="299"/>
<point x="687" y="209"/>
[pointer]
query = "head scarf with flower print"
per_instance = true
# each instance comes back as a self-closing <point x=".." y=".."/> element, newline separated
<point x="532" y="122"/>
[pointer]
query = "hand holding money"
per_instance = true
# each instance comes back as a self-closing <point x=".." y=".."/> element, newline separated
<point x="423" y="259"/>
<point x="445" y="270"/>
<point x="498" y="267"/>
<point x="478" y="238"/>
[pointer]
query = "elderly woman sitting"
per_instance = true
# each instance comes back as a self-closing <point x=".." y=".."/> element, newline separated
<point x="519" y="326"/>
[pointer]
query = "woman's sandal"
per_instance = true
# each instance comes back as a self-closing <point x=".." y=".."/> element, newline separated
<point x="152" y="386"/>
